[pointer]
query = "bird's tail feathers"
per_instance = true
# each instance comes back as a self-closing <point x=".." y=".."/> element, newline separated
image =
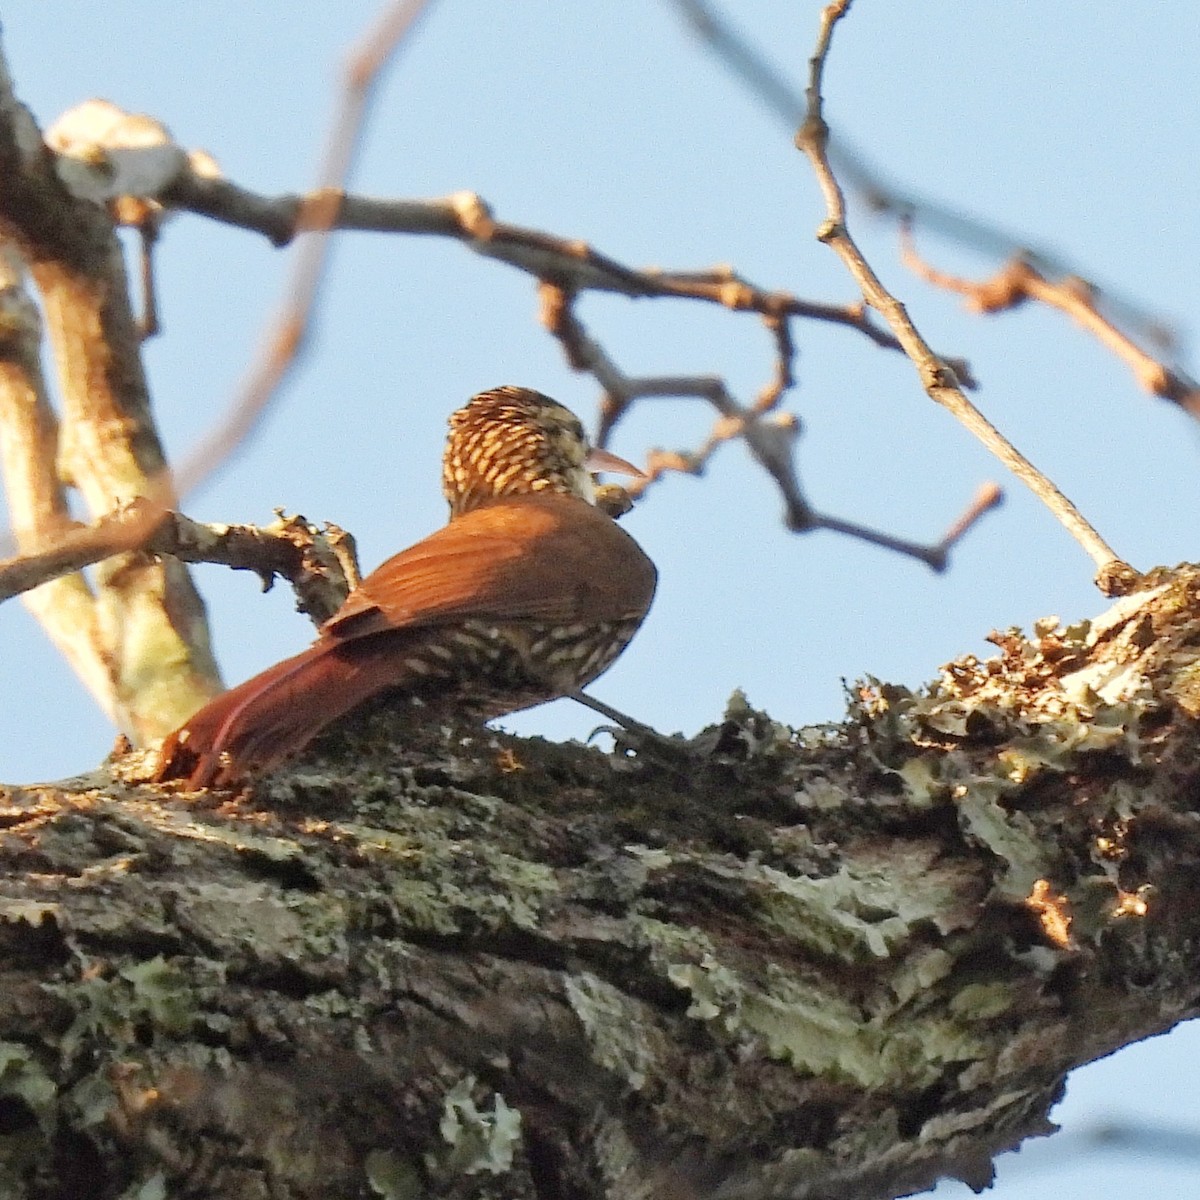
<point x="255" y="725"/>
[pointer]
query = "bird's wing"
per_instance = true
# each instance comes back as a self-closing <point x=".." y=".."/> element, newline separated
<point x="536" y="558"/>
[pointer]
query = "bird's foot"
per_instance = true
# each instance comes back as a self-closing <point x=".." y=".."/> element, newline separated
<point x="631" y="736"/>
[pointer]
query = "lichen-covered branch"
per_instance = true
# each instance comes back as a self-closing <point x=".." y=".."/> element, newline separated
<point x="444" y="962"/>
<point x="320" y="566"/>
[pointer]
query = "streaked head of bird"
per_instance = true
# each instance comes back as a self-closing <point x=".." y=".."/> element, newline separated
<point x="513" y="441"/>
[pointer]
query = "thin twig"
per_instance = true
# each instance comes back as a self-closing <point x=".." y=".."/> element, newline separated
<point x="768" y="85"/>
<point x="1113" y="576"/>
<point x="769" y="441"/>
<point x="770" y="436"/>
<point x="989" y="496"/>
<point x="149" y="324"/>
<point x="1019" y="280"/>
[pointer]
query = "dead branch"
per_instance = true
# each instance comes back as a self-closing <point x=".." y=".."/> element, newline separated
<point x="564" y="262"/>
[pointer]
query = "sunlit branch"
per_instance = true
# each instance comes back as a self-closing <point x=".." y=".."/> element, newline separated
<point x="1113" y="575"/>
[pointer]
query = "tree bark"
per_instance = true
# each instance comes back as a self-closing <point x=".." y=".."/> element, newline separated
<point x="444" y="962"/>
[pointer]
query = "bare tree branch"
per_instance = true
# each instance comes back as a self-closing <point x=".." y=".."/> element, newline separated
<point x="1113" y="576"/>
<point x="37" y="501"/>
<point x="149" y="620"/>
<point x="1019" y="280"/>
<point x="778" y="94"/>
<point x="564" y="262"/>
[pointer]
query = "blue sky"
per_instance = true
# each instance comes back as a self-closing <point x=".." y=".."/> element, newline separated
<point x="617" y="128"/>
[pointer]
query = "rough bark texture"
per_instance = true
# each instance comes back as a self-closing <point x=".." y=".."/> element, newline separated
<point x="449" y="963"/>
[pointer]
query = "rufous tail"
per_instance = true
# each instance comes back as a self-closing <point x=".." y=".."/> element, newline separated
<point x="262" y="721"/>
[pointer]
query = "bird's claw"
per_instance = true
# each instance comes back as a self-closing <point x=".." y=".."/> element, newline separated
<point x="631" y="736"/>
<point x="645" y="744"/>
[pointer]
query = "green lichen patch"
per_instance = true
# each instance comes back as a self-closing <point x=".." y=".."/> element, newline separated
<point x="454" y="887"/>
<point x="154" y="1188"/>
<point x="23" y="1078"/>
<point x="394" y="1177"/>
<point x="1010" y="836"/>
<point x="818" y="1032"/>
<point x="847" y="915"/>
<point x="121" y="1007"/>
<point x="477" y="1140"/>
<point x="617" y="1027"/>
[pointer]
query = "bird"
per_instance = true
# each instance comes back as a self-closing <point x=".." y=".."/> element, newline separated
<point x="527" y="594"/>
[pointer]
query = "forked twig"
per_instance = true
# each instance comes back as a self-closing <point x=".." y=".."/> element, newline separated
<point x="769" y="435"/>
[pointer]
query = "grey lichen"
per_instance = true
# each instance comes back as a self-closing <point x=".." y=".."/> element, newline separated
<point x="112" y="1007"/>
<point x="1010" y="836"/>
<point x="821" y="1034"/>
<point x="846" y="915"/>
<point x="24" y="1078"/>
<point x="154" y="1188"/>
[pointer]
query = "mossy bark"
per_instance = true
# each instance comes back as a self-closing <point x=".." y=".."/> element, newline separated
<point x="443" y="962"/>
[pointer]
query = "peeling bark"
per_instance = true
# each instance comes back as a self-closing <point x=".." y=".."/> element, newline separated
<point x="443" y="962"/>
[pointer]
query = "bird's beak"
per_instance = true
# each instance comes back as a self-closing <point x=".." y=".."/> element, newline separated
<point x="602" y="460"/>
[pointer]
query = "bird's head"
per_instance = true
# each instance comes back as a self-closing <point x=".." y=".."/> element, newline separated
<point x="513" y="441"/>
